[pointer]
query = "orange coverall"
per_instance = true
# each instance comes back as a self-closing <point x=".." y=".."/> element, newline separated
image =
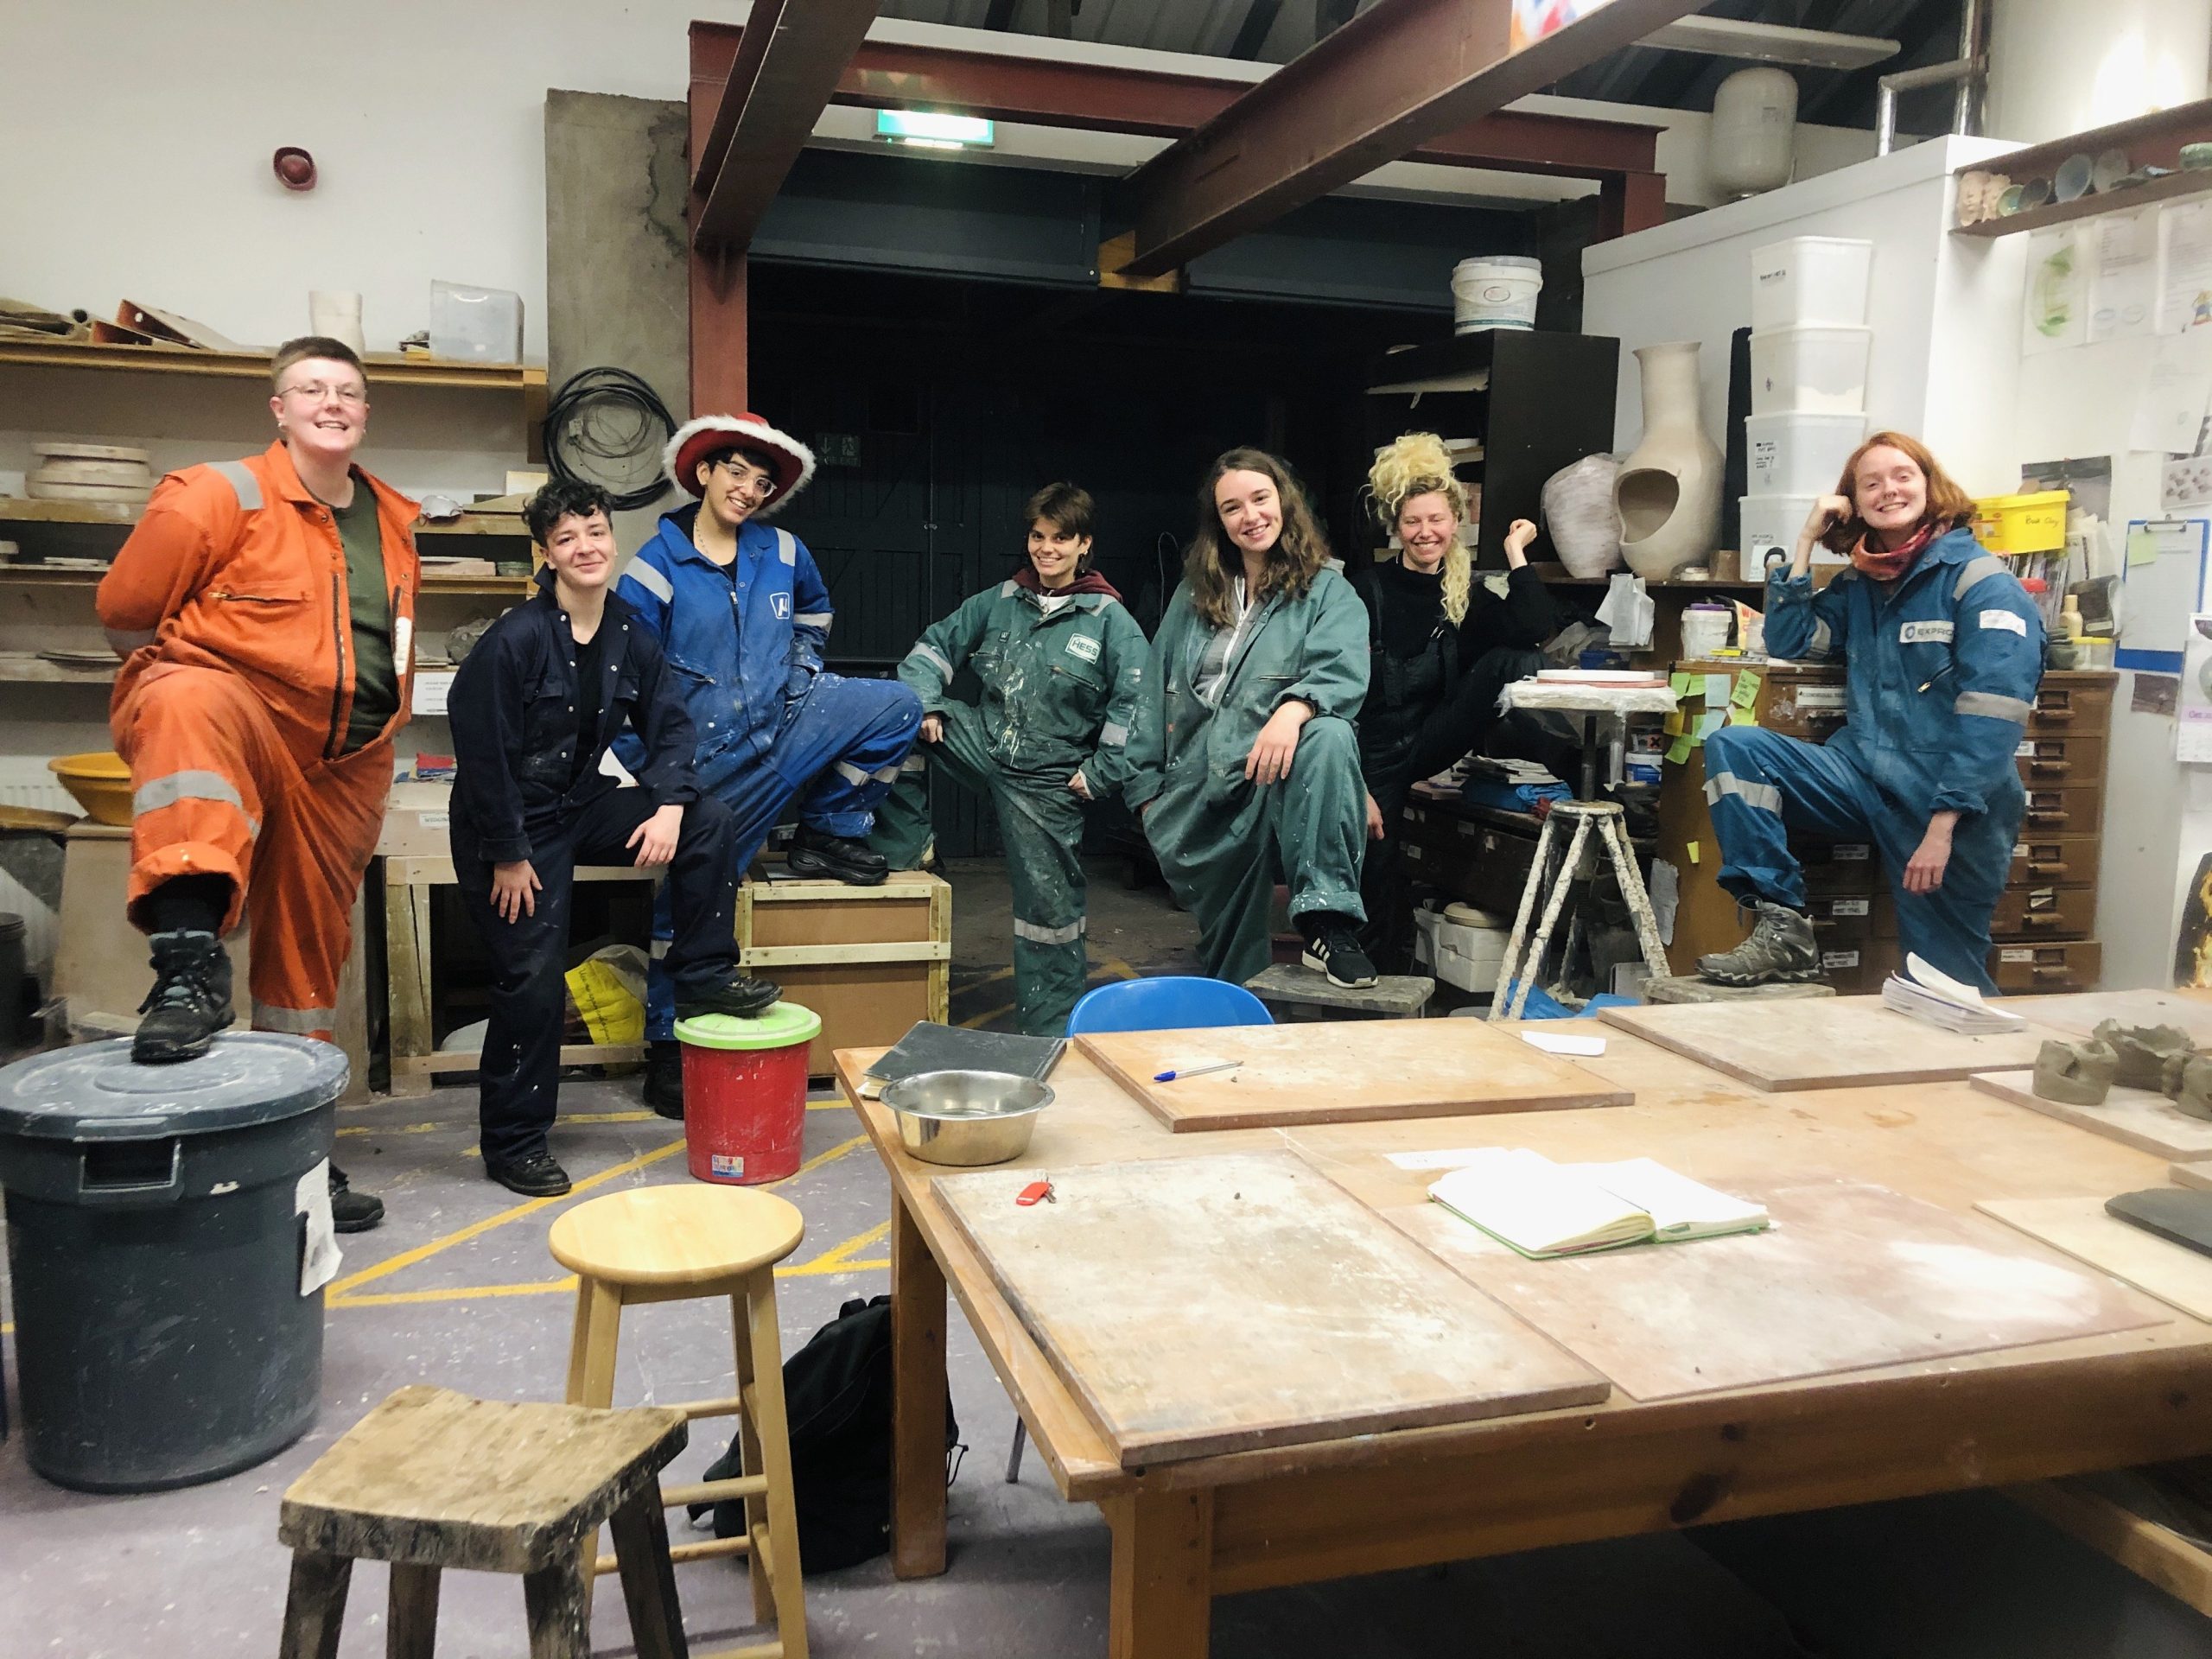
<point x="231" y="709"/>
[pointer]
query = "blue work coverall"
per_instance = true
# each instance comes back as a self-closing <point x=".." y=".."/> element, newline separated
<point x="1059" y="690"/>
<point x="1942" y="674"/>
<point x="745" y="646"/>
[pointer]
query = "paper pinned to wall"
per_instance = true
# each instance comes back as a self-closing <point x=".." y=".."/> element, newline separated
<point x="2193" y="730"/>
<point x="2185" y="259"/>
<point x="2124" y="277"/>
<point x="2056" y="310"/>
<point x="2169" y="407"/>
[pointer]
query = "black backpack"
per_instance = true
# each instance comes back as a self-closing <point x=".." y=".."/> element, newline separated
<point x="837" y="1398"/>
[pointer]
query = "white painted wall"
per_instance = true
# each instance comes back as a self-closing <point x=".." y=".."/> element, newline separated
<point x="2063" y="66"/>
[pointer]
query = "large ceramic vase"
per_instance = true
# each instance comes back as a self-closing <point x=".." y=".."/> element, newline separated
<point x="1669" y="491"/>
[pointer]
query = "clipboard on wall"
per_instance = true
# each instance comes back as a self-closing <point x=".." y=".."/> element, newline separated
<point x="2161" y="592"/>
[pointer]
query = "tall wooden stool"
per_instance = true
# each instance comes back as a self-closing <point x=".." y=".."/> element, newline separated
<point x="432" y="1479"/>
<point x="676" y="1244"/>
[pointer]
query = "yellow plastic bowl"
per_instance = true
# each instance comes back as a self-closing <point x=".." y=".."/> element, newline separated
<point x="101" y="784"/>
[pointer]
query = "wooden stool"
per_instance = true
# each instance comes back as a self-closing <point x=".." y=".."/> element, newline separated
<point x="432" y="1479"/>
<point x="1607" y="819"/>
<point x="676" y="1244"/>
<point x="1294" y="985"/>
<point x="1690" y="987"/>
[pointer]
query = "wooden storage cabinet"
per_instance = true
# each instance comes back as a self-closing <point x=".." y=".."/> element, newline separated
<point x="870" y="961"/>
<point x="1475" y="854"/>
<point x="2045" y="922"/>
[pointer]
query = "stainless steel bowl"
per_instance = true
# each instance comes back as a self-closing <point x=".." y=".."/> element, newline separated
<point x="966" y="1117"/>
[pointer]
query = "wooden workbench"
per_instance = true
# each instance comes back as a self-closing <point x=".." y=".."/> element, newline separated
<point x="1185" y="1531"/>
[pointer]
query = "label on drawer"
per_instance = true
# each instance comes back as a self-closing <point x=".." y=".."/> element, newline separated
<point x="1852" y="907"/>
<point x="1853" y="852"/>
<point x="1839" y="958"/>
<point x="1823" y="696"/>
<point x="2020" y="953"/>
<point x="2026" y="751"/>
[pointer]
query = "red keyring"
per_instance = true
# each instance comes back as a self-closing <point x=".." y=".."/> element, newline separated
<point x="1037" y="1192"/>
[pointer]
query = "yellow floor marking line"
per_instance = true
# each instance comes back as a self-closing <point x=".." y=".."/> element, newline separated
<point x="985" y="1018"/>
<point x="396" y="1129"/>
<point x="985" y="979"/>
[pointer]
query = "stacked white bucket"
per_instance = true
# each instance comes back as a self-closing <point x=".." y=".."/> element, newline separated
<point x="1809" y="349"/>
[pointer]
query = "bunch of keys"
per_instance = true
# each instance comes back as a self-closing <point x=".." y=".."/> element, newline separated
<point x="1037" y="1192"/>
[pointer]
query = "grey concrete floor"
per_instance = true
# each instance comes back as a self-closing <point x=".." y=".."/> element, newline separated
<point x="457" y="1288"/>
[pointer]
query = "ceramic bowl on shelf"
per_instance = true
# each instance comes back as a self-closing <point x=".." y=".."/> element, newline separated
<point x="101" y="783"/>
<point x="2109" y="170"/>
<point x="2074" y="177"/>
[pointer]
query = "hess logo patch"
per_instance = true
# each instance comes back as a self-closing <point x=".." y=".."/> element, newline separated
<point x="1926" y="633"/>
<point x="781" y="605"/>
<point x="1084" y="646"/>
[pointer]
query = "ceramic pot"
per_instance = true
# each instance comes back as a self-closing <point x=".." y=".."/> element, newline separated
<point x="1580" y="515"/>
<point x="1669" y="491"/>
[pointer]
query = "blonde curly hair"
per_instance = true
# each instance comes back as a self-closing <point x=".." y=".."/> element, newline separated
<point x="1418" y="464"/>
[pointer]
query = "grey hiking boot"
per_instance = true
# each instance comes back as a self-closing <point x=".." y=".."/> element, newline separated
<point x="1781" y="948"/>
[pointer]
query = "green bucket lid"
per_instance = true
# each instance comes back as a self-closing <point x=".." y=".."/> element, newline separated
<point x="785" y="1024"/>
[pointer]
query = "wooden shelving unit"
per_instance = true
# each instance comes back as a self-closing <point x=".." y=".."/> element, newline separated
<point x="23" y="510"/>
<point x="2174" y="186"/>
<point x="2153" y="140"/>
<point x="391" y="368"/>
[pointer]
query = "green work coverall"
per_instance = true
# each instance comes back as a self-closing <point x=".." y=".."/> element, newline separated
<point x="1059" y="690"/>
<point x="1223" y="842"/>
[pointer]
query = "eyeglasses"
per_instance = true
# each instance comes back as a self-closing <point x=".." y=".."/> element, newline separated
<point x="315" y="391"/>
<point x="758" y="482"/>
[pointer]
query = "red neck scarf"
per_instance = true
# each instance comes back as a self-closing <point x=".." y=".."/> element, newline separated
<point x="1872" y="561"/>
<point x="1088" y="582"/>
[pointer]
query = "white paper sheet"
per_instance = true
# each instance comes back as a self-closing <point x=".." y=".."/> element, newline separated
<point x="2055" y="310"/>
<point x="320" y="1255"/>
<point x="2169" y="406"/>
<point x="2124" y="273"/>
<point x="2193" y="728"/>
<point x="432" y="688"/>
<point x="2185" y="266"/>
<point x="1628" y="611"/>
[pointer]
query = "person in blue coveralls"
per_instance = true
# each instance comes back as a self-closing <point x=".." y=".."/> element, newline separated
<point x="1943" y="648"/>
<point x="742" y="615"/>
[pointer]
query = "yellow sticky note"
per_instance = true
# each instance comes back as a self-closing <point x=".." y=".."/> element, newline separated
<point x="1675" y="727"/>
<point x="1743" y="717"/>
<point x="1747" y="689"/>
<point x="1681" y="682"/>
<point x="2142" y="547"/>
<point x="1692" y="850"/>
<point x="1679" y="750"/>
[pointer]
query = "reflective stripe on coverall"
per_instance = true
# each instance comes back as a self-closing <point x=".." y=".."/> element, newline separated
<point x="1942" y="674"/>
<point x="1059" y="690"/>
<point x="232" y="708"/>
<point x="1222" y="840"/>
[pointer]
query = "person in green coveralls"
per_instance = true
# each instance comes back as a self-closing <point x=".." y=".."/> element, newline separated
<point x="1244" y="766"/>
<point x="1060" y="660"/>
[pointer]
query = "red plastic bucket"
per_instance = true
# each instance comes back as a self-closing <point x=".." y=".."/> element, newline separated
<point x="745" y="1093"/>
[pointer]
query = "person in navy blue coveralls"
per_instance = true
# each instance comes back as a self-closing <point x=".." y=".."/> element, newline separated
<point x="1944" y="649"/>
<point x="743" y="616"/>
<point x="534" y="709"/>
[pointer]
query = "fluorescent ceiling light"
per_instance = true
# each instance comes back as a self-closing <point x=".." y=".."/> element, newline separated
<point x="932" y="131"/>
<point x="1806" y="48"/>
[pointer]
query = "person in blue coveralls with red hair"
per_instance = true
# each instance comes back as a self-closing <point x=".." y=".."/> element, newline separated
<point x="743" y="617"/>
<point x="1944" y="649"/>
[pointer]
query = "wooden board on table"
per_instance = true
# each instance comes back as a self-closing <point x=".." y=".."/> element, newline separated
<point x="1849" y="1042"/>
<point x="2079" y="1013"/>
<point x="1850" y="1277"/>
<point x="1198" y="1305"/>
<point x="1342" y="1071"/>
<point x="2198" y="1174"/>
<point x="2175" y="1275"/>
<point x="2141" y="1118"/>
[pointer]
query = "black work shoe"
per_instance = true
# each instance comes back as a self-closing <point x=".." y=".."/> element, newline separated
<point x="740" y="995"/>
<point x="352" y="1212"/>
<point x="815" y="852"/>
<point x="1781" y="948"/>
<point x="1334" y="947"/>
<point x="535" y="1175"/>
<point x="190" y="1000"/>
<point x="664" y="1079"/>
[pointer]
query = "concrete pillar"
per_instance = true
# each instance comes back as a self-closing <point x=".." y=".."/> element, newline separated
<point x="2063" y="66"/>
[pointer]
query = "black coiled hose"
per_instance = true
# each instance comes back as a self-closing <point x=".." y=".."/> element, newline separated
<point x="607" y="415"/>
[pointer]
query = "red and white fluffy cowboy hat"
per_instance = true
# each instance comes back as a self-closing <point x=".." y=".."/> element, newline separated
<point x="711" y="434"/>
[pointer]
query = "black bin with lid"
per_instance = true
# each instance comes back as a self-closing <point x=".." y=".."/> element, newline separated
<point x="160" y="1218"/>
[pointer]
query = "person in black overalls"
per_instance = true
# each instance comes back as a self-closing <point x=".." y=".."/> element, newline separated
<point x="534" y="707"/>
<point x="1444" y="646"/>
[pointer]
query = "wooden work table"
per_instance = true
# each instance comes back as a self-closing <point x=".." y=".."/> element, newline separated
<point x="1188" y="1530"/>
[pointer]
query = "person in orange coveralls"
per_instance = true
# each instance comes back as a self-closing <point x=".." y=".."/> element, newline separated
<point x="264" y="609"/>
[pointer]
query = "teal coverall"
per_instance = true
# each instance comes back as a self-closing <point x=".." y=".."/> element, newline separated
<point x="1223" y="842"/>
<point x="1059" y="690"/>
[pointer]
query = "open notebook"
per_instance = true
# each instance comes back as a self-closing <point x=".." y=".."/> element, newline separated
<point x="1928" y="993"/>
<point x="1523" y="1200"/>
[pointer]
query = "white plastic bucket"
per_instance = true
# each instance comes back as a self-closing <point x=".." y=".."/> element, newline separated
<point x="1497" y="291"/>
<point x="1796" y="453"/>
<point x="1811" y="368"/>
<point x="1810" y="279"/>
<point x="1705" y="629"/>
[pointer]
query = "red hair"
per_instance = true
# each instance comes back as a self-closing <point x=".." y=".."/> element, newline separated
<point x="1948" y="506"/>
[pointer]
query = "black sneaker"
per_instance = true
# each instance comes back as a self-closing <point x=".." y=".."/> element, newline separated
<point x="1332" y="946"/>
<point x="535" y="1175"/>
<point x="664" y="1079"/>
<point x="815" y="852"/>
<point x="1781" y="948"/>
<point x="352" y="1212"/>
<point x="740" y="995"/>
<point x="190" y="1000"/>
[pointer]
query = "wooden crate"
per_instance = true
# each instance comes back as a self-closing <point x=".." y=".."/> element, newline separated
<point x="870" y="961"/>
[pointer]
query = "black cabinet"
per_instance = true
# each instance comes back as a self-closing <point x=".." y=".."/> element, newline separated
<point x="1535" y="401"/>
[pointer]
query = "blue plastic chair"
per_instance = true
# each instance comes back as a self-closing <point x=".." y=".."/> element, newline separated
<point x="1176" y="1002"/>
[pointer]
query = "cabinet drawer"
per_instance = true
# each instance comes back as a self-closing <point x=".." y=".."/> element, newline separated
<point x="2045" y="913"/>
<point x="2071" y="808"/>
<point x="1849" y="869"/>
<point x="2048" y="762"/>
<point x="2054" y="862"/>
<point x="2068" y="705"/>
<point x="1843" y="918"/>
<point x="2073" y="966"/>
